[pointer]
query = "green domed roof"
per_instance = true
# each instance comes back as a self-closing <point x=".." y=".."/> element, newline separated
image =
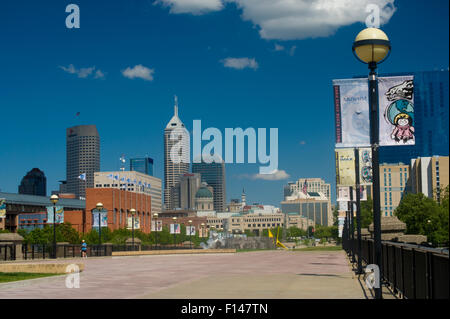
<point x="203" y="192"/>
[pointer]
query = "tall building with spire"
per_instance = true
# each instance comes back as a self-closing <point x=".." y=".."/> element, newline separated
<point x="178" y="146"/>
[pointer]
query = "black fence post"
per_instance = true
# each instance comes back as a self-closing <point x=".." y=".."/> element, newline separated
<point x="429" y="269"/>
<point x="413" y="283"/>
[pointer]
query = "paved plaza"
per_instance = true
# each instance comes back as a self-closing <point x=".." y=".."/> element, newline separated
<point x="247" y="275"/>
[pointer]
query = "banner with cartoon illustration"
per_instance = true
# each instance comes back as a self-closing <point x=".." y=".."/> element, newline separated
<point x="2" y="207"/>
<point x="365" y="166"/>
<point x="396" y="110"/>
<point x="351" y="110"/>
<point x="103" y="218"/>
<point x="59" y="214"/>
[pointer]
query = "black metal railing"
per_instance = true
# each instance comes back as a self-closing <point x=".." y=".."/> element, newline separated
<point x="37" y="251"/>
<point x="7" y="252"/>
<point x="413" y="271"/>
<point x="45" y="251"/>
<point x="151" y="247"/>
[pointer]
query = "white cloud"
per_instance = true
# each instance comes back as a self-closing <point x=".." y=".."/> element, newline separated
<point x="99" y="75"/>
<point x="300" y="19"/>
<point x="275" y="176"/>
<point x="280" y="48"/>
<point x="196" y="7"/>
<point x="81" y="73"/>
<point x="139" y="71"/>
<point x="240" y="63"/>
<point x="291" y="19"/>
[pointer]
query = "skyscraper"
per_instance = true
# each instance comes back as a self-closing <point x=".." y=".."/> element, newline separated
<point x="189" y="185"/>
<point x="174" y="170"/>
<point x="34" y="183"/>
<point x="214" y="174"/>
<point x="83" y="158"/>
<point x="143" y="165"/>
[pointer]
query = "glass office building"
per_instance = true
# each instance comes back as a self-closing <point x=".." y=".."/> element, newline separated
<point x="34" y="183"/>
<point x="431" y="119"/>
<point x="214" y="175"/>
<point x="142" y="165"/>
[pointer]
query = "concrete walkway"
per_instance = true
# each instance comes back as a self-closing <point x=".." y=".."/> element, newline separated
<point x="258" y="275"/>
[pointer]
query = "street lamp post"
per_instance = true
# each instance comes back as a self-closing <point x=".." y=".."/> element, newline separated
<point x="203" y="229"/>
<point x="174" y="233"/>
<point x="132" y="212"/>
<point x="372" y="46"/>
<point x="155" y="216"/>
<point x="352" y="226"/>
<point x="190" y="232"/>
<point x="54" y="199"/>
<point x="358" y="213"/>
<point x="99" y="210"/>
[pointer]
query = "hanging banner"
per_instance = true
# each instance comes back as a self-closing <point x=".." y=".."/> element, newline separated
<point x="156" y="225"/>
<point x="137" y="223"/>
<point x="344" y="194"/>
<point x="103" y="216"/>
<point x="175" y="229"/>
<point x="351" y="109"/>
<point x="190" y="230"/>
<point x="2" y="208"/>
<point x="343" y="206"/>
<point x="59" y="214"/>
<point x="396" y="112"/>
<point x="365" y="166"/>
<point x="345" y="167"/>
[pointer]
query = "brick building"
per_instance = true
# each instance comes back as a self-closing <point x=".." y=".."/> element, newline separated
<point x="118" y="203"/>
<point x="183" y="217"/>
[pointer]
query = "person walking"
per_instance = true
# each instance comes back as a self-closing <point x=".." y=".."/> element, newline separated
<point x="83" y="249"/>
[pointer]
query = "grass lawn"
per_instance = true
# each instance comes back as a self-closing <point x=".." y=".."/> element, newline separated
<point x="15" y="276"/>
<point x="320" y="248"/>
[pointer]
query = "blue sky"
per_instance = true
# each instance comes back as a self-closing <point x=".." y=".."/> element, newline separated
<point x="296" y="52"/>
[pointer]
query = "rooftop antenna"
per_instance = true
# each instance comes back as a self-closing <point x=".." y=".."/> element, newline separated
<point x="176" y="105"/>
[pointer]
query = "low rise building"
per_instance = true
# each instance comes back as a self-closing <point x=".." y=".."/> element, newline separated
<point x="312" y="205"/>
<point x="132" y="181"/>
<point x="30" y="212"/>
<point x="118" y="204"/>
<point x="430" y="175"/>
<point x="393" y="186"/>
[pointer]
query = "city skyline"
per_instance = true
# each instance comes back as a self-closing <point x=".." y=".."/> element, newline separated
<point x="283" y="83"/>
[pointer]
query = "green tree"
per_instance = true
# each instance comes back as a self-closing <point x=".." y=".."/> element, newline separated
<point x="325" y="232"/>
<point x="424" y="216"/>
<point x="64" y="233"/>
<point x="366" y="213"/>
<point x="335" y="216"/>
<point x="294" y="231"/>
